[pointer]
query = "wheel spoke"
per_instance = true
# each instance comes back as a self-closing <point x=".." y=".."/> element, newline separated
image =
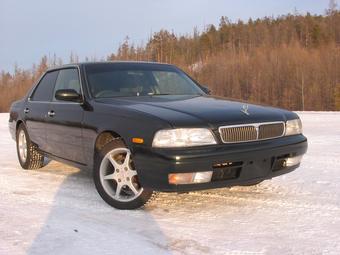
<point x="133" y="188"/>
<point x="132" y="173"/>
<point x="113" y="162"/>
<point x="118" y="190"/>
<point x="110" y="177"/>
<point x="127" y="159"/>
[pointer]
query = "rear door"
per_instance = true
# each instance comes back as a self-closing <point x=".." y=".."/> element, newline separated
<point x="64" y="123"/>
<point x="36" y="109"/>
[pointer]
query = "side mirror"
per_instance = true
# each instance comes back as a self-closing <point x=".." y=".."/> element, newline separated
<point x="205" y="89"/>
<point x="67" y="95"/>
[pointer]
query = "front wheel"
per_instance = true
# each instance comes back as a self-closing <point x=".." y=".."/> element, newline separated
<point x="116" y="178"/>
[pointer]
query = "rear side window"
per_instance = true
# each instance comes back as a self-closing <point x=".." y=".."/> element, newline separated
<point x="44" y="90"/>
<point x="67" y="79"/>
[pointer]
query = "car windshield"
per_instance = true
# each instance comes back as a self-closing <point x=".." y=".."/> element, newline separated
<point x="114" y="80"/>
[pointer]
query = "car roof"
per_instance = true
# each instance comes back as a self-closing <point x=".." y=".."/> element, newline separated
<point x="143" y="63"/>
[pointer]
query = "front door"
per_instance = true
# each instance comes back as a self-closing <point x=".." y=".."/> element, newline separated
<point x="64" y="125"/>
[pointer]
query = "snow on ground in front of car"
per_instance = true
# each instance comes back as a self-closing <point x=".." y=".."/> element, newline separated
<point x="56" y="210"/>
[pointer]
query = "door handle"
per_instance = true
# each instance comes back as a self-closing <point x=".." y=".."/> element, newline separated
<point x="26" y="110"/>
<point x="51" y="113"/>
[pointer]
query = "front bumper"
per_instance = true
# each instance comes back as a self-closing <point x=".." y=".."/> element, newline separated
<point x="232" y="164"/>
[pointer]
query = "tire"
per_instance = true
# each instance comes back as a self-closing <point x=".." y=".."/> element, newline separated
<point x="28" y="155"/>
<point x="114" y="171"/>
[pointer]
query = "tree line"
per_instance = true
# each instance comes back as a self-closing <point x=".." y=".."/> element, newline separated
<point x="292" y="61"/>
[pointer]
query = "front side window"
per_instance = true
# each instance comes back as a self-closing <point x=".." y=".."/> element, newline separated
<point x="172" y="83"/>
<point x="44" y="89"/>
<point x="112" y="81"/>
<point x="67" y="79"/>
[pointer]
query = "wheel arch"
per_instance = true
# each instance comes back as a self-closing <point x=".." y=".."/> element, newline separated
<point x="18" y="124"/>
<point x="105" y="137"/>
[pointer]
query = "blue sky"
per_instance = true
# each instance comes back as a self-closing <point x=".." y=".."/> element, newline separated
<point x="31" y="29"/>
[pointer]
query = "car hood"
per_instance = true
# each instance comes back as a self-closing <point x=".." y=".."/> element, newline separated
<point x="182" y="111"/>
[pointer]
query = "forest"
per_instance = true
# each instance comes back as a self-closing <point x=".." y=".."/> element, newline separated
<point x="290" y="61"/>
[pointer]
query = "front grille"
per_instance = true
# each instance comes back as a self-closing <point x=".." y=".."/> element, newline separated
<point x="271" y="130"/>
<point x="251" y="132"/>
<point x="237" y="134"/>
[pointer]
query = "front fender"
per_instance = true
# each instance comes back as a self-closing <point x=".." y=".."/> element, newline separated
<point x="124" y="122"/>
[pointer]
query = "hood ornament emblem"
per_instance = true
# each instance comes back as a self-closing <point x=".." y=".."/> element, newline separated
<point x="245" y="109"/>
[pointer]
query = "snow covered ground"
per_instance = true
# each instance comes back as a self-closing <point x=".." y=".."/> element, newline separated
<point x="56" y="210"/>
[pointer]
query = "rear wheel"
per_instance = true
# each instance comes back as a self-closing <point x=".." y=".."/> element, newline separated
<point x="28" y="155"/>
<point x="116" y="178"/>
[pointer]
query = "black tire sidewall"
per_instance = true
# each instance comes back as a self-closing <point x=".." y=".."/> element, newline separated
<point x="133" y="204"/>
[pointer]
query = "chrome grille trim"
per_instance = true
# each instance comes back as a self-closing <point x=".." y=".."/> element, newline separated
<point x="252" y="132"/>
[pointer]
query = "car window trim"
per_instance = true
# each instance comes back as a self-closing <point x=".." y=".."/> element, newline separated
<point x="176" y="70"/>
<point x="58" y="102"/>
<point x="35" y="87"/>
<point x="80" y="83"/>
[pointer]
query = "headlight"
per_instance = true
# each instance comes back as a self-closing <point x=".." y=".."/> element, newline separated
<point x="293" y="127"/>
<point x="183" y="137"/>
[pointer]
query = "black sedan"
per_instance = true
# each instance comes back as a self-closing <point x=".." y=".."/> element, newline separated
<point x="146" y="127"/>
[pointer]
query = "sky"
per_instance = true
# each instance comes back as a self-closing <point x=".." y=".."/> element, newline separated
<point x="95" y="28"/>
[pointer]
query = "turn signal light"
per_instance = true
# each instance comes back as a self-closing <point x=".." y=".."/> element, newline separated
<point x="189" y="178"/>
<point x="137" y="140"/>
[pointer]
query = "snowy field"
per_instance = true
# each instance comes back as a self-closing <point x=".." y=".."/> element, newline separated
<point x="56" y="210"/>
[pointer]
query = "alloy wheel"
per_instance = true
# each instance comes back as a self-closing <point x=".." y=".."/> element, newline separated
<point x="118" y="175"/>
<point x="22" y="145"/>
